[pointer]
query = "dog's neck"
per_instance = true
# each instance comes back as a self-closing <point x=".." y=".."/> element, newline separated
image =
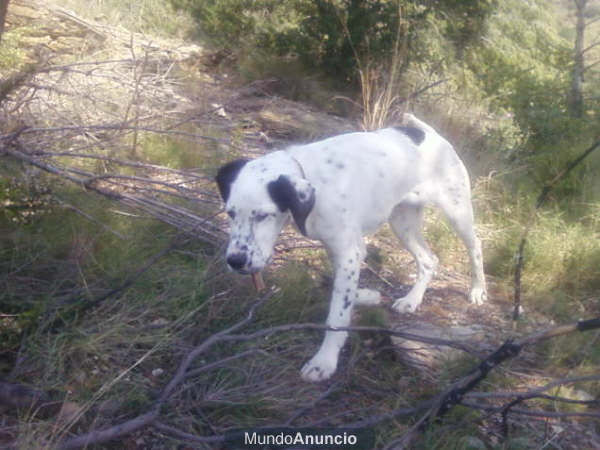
<point x="289" y="164"/>
<point x="302" y="174"/>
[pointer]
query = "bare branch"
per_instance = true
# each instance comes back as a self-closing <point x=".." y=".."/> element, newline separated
<point x="116" y="431"/>
<point x="187" y="436"/>
<point x="588" y="67"/>
<point x="124" y="162"/>
<point x="535" y="413"/>
<point x="454" y="395"/>
<point x="111" y="433"/>
<point x="120" y="127"/>
<point x="534" y="391"/>
<point x="591" y="46"/>
<point x="594" y="20"/>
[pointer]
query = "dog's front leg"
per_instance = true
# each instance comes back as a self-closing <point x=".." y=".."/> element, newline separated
<point x="347" y="267"/>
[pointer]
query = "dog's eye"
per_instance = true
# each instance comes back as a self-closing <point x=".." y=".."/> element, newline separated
<point x="231" y="213"/>
<point x="260" y="217"/>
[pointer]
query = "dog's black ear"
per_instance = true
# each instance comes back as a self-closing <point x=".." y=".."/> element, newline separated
<point x="227" y="175"/>
<point x="295" y="194"/>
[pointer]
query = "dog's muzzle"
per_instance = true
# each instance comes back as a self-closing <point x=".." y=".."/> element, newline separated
<point x="240" y="263"/>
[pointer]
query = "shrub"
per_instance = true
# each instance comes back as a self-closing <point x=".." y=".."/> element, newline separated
<point x="333" y="35"/>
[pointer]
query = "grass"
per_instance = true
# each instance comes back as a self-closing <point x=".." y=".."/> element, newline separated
<point x="12" y="54"/>
<point x="54" y="260"/>
<point x="561" y="257"/>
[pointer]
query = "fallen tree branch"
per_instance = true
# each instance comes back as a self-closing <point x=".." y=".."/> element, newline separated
<point x="454" y="395"/>
<point x="114" y="432"/>
<point x="111" y="433"/>
<point x="124" y="126"/>
<point x="312" y="326"/>
<point x="535" y="413"/>
<point x="536" y="391"/>
<point x="181" y="218"/>
<point x="124" y="162"/>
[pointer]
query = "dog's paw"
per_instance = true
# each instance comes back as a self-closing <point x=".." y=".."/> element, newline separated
<point x="319" y="368"/>
<point x="478" y="296"/>
<point x="368" y="297"/>
<point x="406" y="304"/>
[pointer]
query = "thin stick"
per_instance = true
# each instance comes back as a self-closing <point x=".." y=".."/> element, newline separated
<point x="259" y="283"/>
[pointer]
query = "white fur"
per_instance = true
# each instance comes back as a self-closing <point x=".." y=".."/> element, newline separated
<point x="360" y="180"/>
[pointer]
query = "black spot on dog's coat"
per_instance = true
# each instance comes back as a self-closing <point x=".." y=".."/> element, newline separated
<point x="347" y="302"/>
<point x="415" y="134"/>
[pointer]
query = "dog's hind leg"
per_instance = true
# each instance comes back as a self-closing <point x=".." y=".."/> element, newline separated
<point x="456" y="204"/>
<point x="366" y="297"/>
<point x="406" y="221"/>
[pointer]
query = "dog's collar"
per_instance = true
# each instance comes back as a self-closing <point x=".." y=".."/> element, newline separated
<point x="299" y="166"/>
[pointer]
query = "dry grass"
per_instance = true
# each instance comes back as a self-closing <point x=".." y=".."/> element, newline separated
<point x="151" y="17"/>
<point x="380" y="99"/>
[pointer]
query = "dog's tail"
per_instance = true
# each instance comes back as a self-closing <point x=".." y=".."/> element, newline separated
<point x="412" y="121"/>
<point x="432" y="137"/>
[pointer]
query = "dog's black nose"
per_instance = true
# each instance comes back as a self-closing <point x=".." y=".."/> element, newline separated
<point x="237" y="260"/>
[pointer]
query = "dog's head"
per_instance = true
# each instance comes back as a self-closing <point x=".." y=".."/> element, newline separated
<point x="259" y="197"/>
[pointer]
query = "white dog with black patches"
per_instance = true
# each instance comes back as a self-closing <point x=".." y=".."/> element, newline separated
<point x="337" y="191"/>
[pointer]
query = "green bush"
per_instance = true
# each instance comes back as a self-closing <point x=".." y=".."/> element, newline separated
<point x="334" y="35"/>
